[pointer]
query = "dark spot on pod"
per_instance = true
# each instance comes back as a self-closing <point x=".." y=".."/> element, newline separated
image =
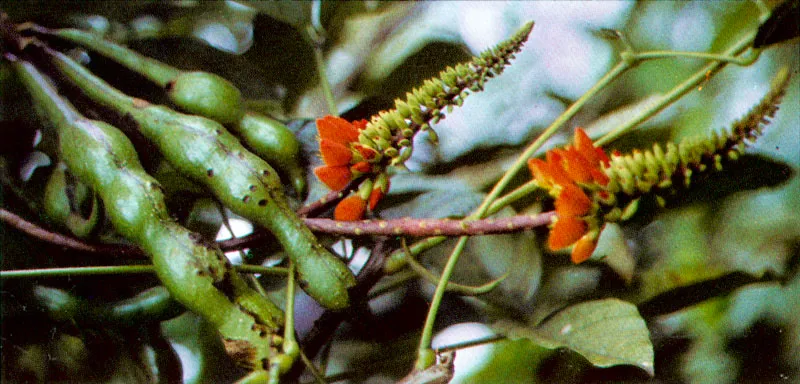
<point x="263" y="334"/>
<point x="265" y="172"/>
<point x="170" y="85"/>
<point x="210" y="172"/>
<point x="252" y="187"/>
<point x="200" y="272"/>
<point x="265" y="364"/>
<point x="262" y="203"/>
<point x="302" y="283"/>
<point x="218" y="132"/>
<point x="246" y="198"/>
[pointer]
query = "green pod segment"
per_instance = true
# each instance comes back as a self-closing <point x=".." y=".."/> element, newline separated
<point x="206" y="94"/>
<point x="151" y="305"/>
<point x="62" y="196"/>
<point x="204" y="151"/>
<point x="196" y="92"/>
<point x="197" y="276"/>
<point x="274" y="142"/>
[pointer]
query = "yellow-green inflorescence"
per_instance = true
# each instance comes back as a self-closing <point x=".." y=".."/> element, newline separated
<point x="665" y="171"/>
<point x="390" y="132"/>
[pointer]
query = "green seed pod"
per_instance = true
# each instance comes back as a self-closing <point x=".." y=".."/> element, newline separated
<point x="151" y="305"/>
<point x="197" y="92"/>
<point x="275" y="143"/>
<point x="204" y="151"/>
<point x="63" y="196"/>
<point x="102" y="157"/>
<point x="207" y="94"/>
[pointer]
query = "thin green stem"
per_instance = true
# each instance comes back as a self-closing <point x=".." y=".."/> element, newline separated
<point x="471" y="343"/>
<point x="117" y="270"/>
<point x="425" y="356"/>
<point x="737" y="60"/>
<point x="76" y="271"/>
<point x="460" y="289"/>
<point x="261" y="269"/>
<point x="290" y="345"/>
<point x="506" y="200"/>
<point x="318" y="377"/>
<point x="399" y="280"/>
<point x="681" y="89"/>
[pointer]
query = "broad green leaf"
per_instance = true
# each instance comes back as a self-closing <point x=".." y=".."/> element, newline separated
<point x="606" y="332"/>
<point x="511" y="362"/>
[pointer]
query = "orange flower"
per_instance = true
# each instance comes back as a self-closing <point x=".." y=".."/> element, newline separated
<point x="337" y="137"/>
<point x="345" y="160"/>
<point x="562" y="174"/>
<point x="338" y="130"/>
<point x="350" y="208"/>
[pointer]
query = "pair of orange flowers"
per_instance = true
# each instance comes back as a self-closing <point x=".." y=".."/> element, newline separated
<point x="567" y="174"/>
<point x="346" y="160"/>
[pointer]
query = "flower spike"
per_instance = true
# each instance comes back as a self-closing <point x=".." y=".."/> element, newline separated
<point x="591" y="189"/>
<point x="365" y="149"/>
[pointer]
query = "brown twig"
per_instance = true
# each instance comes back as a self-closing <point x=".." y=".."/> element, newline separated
<point x="429" y="227"/>
<point x="61" y="240"/>
<point x="405" y="227"/>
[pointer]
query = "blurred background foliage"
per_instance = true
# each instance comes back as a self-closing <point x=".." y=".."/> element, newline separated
<point x="743" y="326"/>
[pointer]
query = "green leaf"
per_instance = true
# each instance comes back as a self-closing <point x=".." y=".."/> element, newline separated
<point x="511" y="361"/>
<point x="606" y="332"/>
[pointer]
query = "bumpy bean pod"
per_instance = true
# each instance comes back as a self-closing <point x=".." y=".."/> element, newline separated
<point x="195" y="92"/>
<point x="207" y="95"/>
<point x="197" y="276"/>
<point x="207" y="153"/>
<point x="275" y="143"/>
<point x="151" y="305"/>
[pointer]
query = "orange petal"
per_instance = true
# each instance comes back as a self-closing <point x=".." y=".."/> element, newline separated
<point x="577" y="167"/>
<point x="362" y="166"/>
<point x="334" y="153"/>
<point x="584" y="145"/>
<point x="583" y="249"/>
<point x="541" y="172"/>
<point x="335" y="177"/>
<point x="366" y="152"/>
<point x="601" y="154"/>
<point x="555" y="160"/>
<point x="572" y="201"/>
<point x="374" y="197"/>
<point x="600" y="177"/>
<point x="566" y="231"/>
<point x="337" y="130"/>
<point x="360" y="124"/>
<point x="351" y="208"/>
